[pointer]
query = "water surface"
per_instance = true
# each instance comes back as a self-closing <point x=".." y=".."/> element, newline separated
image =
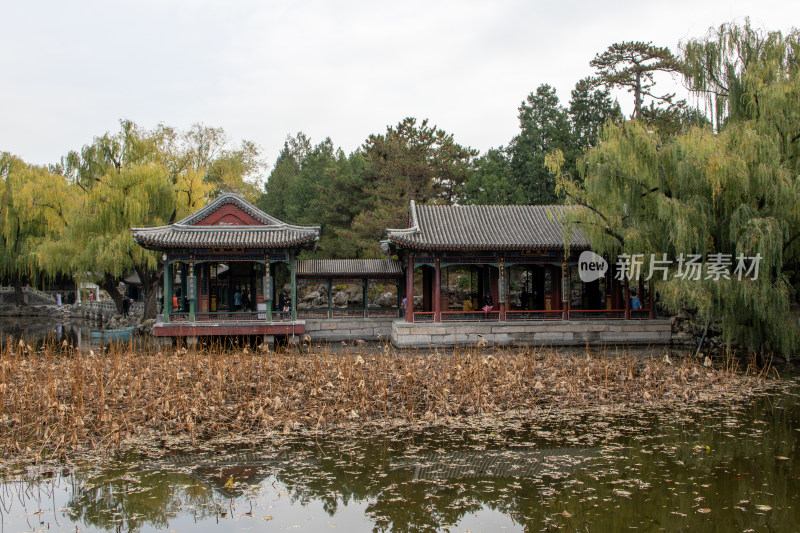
<point x="706" y="468"/>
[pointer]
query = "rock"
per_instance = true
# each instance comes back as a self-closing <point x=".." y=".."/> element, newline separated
<point x="387" y="299"/>
<point x="310" y="297"/>
<point x="353" y="290"/>
<point x="340" y="299"/>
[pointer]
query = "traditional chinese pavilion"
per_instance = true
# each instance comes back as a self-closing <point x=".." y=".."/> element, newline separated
<point x="527" y="251"/>
<point x="506" y="274"/>
<point x="229" y="269"/>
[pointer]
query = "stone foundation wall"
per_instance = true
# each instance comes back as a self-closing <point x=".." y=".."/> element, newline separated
<point x="544" y="333"/>
<point x="343" y="329"/>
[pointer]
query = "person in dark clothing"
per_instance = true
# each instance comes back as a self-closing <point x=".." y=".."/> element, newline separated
<point x="281" y="301"/>
<point x="126" y="305"/>
<point x="246" y="300"/>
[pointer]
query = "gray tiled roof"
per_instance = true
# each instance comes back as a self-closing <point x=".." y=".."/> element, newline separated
<point x="486" y="227"/>
<point x="184" y="234"/>
<point x="349" y="267"/>
<point x="179" y="236"/>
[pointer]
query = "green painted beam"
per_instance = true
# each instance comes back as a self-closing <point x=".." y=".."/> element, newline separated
<point x="167" y="290"/>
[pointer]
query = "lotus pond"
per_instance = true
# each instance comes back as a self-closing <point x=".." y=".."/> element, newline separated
<point x="704" y="468"/>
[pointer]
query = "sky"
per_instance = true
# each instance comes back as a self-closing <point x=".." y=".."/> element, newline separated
<point x="345" y="69"/>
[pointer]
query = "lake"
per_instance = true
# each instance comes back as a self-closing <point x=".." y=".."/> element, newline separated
<point x="706" y="467"/>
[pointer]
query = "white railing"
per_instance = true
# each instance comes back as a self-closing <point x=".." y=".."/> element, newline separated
<point x="30" y="290"/>
<point x="109" y="307"/>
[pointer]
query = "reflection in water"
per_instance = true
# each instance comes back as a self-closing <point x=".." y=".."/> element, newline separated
<point x="504" y="463"/>
<point x="38" y="332"/>
<point x="705" y="469"/>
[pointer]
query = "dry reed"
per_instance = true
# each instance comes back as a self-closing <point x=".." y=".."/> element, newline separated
<point x="60" y="401"/>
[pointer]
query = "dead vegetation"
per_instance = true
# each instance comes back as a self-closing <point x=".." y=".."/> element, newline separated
<point x="58" y="401"/>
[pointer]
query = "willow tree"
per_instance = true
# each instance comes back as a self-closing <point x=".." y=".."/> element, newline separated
<point x="734" y="192"/>
<point x="136" y="178"/>
<point x="33" y="205"/>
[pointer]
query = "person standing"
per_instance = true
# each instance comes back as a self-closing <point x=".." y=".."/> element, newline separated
<point x="237" y="300"/>
<point x="246" y="300"/>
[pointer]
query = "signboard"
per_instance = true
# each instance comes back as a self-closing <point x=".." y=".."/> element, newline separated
<point x="191" y="287"/>
<point x="268" y="287"/>
<point x="262" y="311"/>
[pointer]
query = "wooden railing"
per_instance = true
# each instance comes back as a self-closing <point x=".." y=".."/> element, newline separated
<point x="470" y="316"/>
<point x="232" y="316"/>
<point x="596" y="314"/>
<point x="348" y="312"/>
<point x="532" y="315"/>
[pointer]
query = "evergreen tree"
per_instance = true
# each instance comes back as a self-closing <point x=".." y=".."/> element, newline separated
<point x="632" y="65"/>
<point x="408" y="162"/>
<point x="490" y="183"/>
<point x="589" y="109"/>
<point x="544" y="126"/>
<point x="277" y="195"/>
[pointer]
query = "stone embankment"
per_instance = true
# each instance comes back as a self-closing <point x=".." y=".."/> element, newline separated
<point x="688" y="330"/>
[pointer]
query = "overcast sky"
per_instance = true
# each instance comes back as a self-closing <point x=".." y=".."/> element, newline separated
<point x="341" y="69"/>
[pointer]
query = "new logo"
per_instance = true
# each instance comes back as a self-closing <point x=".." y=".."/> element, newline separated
<point x="591" y="266"/>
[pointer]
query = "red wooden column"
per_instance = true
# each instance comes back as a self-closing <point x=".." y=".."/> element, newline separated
<point x="410" y="288"/>
<point x="652" y="302"/>
<point x="437" y="290"/>
<point x="555" y="289"/>
<point x="627" y="300"/>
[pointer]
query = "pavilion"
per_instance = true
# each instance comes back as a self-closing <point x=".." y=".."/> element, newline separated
<point x="505" y="274"/>
<point x="527" y="249"/>
<point x="228" y="247"/>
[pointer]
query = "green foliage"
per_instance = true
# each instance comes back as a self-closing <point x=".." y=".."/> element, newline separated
<point x="744" y="73"/>
<point x="317" y="185"/>
<point x="491" y="181"/>
<point x="632" y="65"/>
<point x="408" y="162"/>
<point x="589" y="109"/>
<point x="544" y="126"/>
<point x="700" y="192"/>
<point x="33" y="207"/>
<point x="140" y="178"/>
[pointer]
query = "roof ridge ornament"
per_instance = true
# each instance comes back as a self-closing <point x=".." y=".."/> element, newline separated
<point x="412" y="210"/>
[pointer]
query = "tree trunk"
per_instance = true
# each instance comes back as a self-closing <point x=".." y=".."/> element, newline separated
<point x="150" y="281"/>
<point x="109" y="284"/>
<point x="19" y="296"/>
